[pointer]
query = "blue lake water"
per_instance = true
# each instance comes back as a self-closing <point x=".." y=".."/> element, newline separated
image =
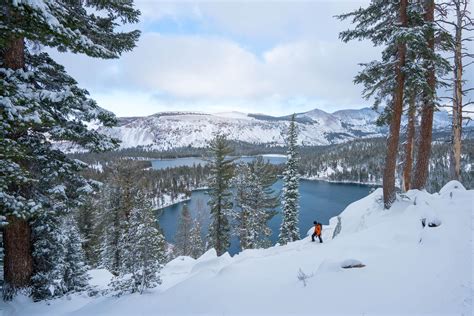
<point x="190" y="161"/>
<point x="319" y="201"/>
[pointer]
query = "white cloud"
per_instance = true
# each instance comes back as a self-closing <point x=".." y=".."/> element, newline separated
<point x="301" y="63"/>
<point x="193" y="67"/>
<point x="214" y="68"/>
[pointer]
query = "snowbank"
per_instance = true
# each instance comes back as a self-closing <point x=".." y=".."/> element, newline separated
<point x="407" y="269"/>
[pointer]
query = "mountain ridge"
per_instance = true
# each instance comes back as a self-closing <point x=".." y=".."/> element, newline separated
<point x="174" y="129"/>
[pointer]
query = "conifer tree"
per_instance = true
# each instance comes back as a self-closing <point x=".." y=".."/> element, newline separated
<point x="88" y="219"/>
<point x="114" y="225"/>
<point x="75" y="267"/>
<point x="49" y="254"/>
<point x="289" y="230"/>
<point x="399" y="27"/>
<point x="41" y="103"/>
<point x="257" y="201"/>
<point x="241" y="184"/>
<point x="118" y="201"/>
<point x="182" y="245"/>
<point x="195" y="240"/>
<point x="197" y="243"/>
<point x="58" y="256"/>
<point x="429" y="102"/>
<point x="220" y="202"/>
<point x="409" y="142"/>
<point x="144" y="250"/>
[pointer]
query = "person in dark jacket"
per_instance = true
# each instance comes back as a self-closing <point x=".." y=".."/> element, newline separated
<point x="318" y="227"/>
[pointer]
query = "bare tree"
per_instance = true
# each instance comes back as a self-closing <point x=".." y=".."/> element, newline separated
<point x="460" y="23"/>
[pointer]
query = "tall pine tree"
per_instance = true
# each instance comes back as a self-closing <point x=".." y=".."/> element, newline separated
<point x="143" y="250"/>
<point x="40" y="103"/>
<point x="220" y="202"/>
<point x="289" y="230"/>
<point x="257" y="202"/>
<point x="197" y="245"/>
<point x="399" y="27"/>
<point x="75" y="266"/>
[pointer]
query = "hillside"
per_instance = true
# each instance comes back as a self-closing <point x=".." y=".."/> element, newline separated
<point x="408" y="269"/>
<point x="170" y="130"/>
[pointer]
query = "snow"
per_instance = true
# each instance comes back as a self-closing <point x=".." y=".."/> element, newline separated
<point x="274" y="156"/>
<point x="233" y="114"/>
<point x="167" y="200"/>
<point x="409" y="269"/>
<point x="100" y="278"/>
<point x="168" y="130"/>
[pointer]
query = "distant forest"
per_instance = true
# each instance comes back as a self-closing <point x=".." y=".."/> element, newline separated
<point x="359" y="161"/>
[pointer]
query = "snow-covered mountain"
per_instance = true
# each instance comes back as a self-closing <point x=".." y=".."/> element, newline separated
<point x="169" y="130"/>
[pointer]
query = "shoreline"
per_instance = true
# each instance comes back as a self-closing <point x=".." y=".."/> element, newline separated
<point x="340" y="181"/>
<point x="369" y="184"/>
<point x="180" y="200"/>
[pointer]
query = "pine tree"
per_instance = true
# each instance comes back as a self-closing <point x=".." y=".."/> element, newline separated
<point x="220" y="202"/>
<point x="428" y="107"/>
<point x="118" y="201"/>
<point x="195" y="240"/>
<point x="400" y="28"/>
<point x="75" y="267"/>
<point x="241" y="184"/>
<point x="144" y="250"/>
<point x="49" y="252"/>
<point x="257" y="201"/>
<point x="58" y="257"/>
<point x="182" y="245"/>
<point x="41" y="103"/>
<point x="409" y="143"/>
<point x="289" y="230"/>
<point x="114" y="227"/>
<point x="87" y="219"/>
<point x="385" y="23"/>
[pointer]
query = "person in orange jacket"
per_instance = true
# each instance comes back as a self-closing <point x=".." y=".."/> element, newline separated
<point x="317" y="231"/>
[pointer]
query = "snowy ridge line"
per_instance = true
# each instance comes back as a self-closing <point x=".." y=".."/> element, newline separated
<point x="171" y="130"/>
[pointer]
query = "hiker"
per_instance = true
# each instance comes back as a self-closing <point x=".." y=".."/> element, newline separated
<point x="317" y="231"/>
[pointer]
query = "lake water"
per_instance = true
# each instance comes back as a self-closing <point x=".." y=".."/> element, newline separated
<point x="319" y="201"/>
<point x="190" y="161"/>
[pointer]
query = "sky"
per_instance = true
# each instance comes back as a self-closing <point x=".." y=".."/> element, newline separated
<point x="271" y="57"/>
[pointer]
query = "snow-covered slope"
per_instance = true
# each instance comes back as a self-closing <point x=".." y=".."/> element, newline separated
<point x="409" y="269"/>
<point x="181" y="129"/>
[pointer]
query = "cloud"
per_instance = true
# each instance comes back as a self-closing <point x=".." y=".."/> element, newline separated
<point x="215" y="68"/>
<point x="271" y="57"/>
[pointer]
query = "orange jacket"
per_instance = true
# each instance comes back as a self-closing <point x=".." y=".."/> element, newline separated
<point x="317" y="229"/>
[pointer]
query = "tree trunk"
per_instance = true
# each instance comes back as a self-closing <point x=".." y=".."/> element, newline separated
<point x="389" y="194"/>
<point x="455" y="162"/>
<point x="426" y="128"/>
<point x="18" y="261"/>
<point x="14" y="54"/>
<point x="407" y="167"/>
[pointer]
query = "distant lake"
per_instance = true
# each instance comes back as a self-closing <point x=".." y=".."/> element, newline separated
<point x="190" y="161"/>
<point x="319" y="201"/>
